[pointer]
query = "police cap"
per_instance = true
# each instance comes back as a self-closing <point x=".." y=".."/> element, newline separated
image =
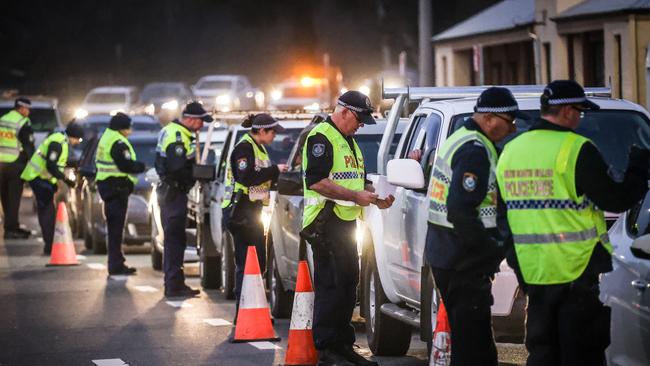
<point x="358" y="103"/>
<point x="566" y="92"/>
<point x="497" y="99"/>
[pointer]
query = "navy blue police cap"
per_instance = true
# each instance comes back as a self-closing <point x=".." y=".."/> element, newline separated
<point x="195" y="110"/>
<point x="358" y="103"/>
<point x="120" y="121"/>
<point x="566" y="92"/>
<point x="498" y="99"/>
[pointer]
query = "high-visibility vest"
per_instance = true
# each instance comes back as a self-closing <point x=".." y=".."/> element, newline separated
<point x="555" y="231"/>
<point x="37" y="166"/>
<point x="347" y="171"/>
<point x="106" y="167"/>
<point x="174" y="133"/>
<point x="442" y="173"/>
<point x="10" y="125"/>
<point x="260" y="192"/>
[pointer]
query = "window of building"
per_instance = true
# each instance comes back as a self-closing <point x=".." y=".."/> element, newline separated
<point x="593" y="58"/>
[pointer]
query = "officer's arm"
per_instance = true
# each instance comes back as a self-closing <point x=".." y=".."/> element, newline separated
<point x="123" y="159"/>
<point x="26" y="138"/>
<point x="319" y="164"/>
<point x="468" y="187"/>
<point x="614" y="195"/>
<point x="244" y="171"/>
<point x="175" y="160"/>
<point x="52" y="158"/>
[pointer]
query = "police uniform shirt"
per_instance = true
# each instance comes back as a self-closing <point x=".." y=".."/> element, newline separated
<point x="445" y="248"/>
<point x="242" y="161"/>
<point x="26" y="138"/>
<point x="123" y="159"/>
<point x="319" y="163"/>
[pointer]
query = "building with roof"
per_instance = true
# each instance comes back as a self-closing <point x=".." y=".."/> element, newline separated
<point x="595" y="42"/>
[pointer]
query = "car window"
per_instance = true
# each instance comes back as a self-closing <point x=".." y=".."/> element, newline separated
<point x="215" y="84"/>
<point x="423" y="135"/>
<point x="612" y="131"/>
<point x="106" y="98"/>
<point x="638" y="218"/>
<point x="282" y="145"/>
<point x="145" y="151"/>
<point x="43" y="119"/>
<point x="369" y="145"/>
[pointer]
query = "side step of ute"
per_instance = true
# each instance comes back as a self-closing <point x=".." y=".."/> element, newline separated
<point x="403" y="315"/>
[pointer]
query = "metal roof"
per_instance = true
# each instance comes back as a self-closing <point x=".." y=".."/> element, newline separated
<point x="597" y="7"/>
<point x="505" y="15"/>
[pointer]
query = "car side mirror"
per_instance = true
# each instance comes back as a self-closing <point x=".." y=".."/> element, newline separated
<point x="290" y="183"/>
<point x="640" y="247"/>
<point x="405" y="173"/>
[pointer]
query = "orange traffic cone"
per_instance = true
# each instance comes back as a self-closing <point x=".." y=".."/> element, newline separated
<point x="254" y="315"/>
<point x="301" y="349"/>
<point x="441" y="347"/>
<point x="63" y="252"/>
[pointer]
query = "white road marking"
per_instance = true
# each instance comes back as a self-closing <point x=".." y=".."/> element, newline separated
<point x="146" y="289"/>
<point x="178" y="304"/>
<point x="96" y="265"/>
<point x="110" y="362"/>
<point x="264" y="345"/>
<point x="217" y="322"/>
<point x="81" y="257"/>
<point x="118" y="277"/>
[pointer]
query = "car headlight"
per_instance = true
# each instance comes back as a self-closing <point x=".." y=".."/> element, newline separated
<point x="276" y="94"/>
<point x="80" y="113"/>
<point x="223" y="99"/>
<point x="150" y="109"/>
<point x="171" y="105"/>
<point x="312" y="107"/>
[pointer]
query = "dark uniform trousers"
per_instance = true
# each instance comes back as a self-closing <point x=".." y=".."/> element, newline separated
<point x="252" y="233"/>
<point x="116" y="203"/>
<point x="11" y="191"/>
<point x="173" y="212"/>
<point x="567" y="325"/>
<point x="44" y="194"/>
<point x="336" y="277"/>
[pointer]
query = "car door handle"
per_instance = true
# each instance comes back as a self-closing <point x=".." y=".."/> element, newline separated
<point x="640" y="284"/>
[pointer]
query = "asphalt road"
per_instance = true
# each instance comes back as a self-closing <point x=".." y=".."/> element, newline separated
<point x="80" y="316"/>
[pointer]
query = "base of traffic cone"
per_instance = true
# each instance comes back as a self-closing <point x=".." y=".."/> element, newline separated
<point x="63" y="255"/>
<point x="254" y="325"/>
<point x="300" y="349"/>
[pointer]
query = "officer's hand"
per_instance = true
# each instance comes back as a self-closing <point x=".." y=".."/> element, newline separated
<point x="415" y="154"/>
<point x="386" y="202"/>
<point x="69" y="182"/>
<point x="283" y="168"/>
<point x="364" y="198"/>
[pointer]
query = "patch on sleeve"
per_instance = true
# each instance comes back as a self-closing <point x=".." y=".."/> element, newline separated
<point x="318" y="150"/>
<point x="469" y="182"/>
<point x="127" y="154"/>
<point x="242" y="164"/>
<point x="54" y="156"/>
<point x="179" y="150"/>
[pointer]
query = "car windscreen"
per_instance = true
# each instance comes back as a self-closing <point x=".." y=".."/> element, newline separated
<point x="106" y="98"/>
<point x="96" y="128"/>
<point x="369" y="145"/>
<point x="160" y="91"/>
<point x="612" y="131"/>
<point x="145" y="151"/>
<point x="215" y="84"/>
<point x="280" y="148"/>
<point x="43" y="119"/>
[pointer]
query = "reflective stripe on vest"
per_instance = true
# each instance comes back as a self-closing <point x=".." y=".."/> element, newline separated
<point x="106" y="167"/>
<point x="442" y="173"/>
<point x="10" y="125"/>
<point x="259" y="192"/>
<point x="37" y="166"/>
<point x="346" y="172"/>
<point x="554" y="229"/>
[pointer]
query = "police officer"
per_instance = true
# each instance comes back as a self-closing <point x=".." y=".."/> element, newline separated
<point x="117" y="170"/>
<point x="335" y="191"/>
<point x="461" y="245"/>
<point x="250" y="174"/>
<point x="175" y="155"/>
<point x="555" y="185"/>
<point x="16" y="147"/>
<point x="43" y="171"/>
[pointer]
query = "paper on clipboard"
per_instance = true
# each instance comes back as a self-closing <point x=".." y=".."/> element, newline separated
<point x="383" y="189"/>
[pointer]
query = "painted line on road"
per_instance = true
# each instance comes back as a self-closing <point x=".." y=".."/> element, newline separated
<point x="110" y="362"/>
<point x="118" y="277"/>
<point x="264" y="345"/>
<point x="97" y="266"/>
<point x="179" y="304"/>
<point x="81" y="257"/>
<point x="146" y="289"/>
<point x="217" y="322"/>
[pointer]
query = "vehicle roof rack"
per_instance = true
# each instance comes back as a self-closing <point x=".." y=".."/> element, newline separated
<point x="239" y="115"/>
<point x="458" y="92"/>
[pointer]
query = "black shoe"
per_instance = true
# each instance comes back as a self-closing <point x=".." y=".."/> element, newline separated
<point x="185" y="291"/>
<point x="328" y="357"/>
<point x="26" y="232"/>
<point x="123" y="271"/>
<point x="15" y="234"/>
<point x="348" y="352"/>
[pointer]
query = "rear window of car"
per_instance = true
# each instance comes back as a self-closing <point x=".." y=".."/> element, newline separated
<point x="215" y="84"/>
<point x="612" y="131"/>
<point x="43" y="119"/>
<point x="106" y="98"/>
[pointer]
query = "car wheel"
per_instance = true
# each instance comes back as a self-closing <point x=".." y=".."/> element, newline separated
<point x="386" y="336"/>
<point x="156" y="255"/>
<point x="228" y="266"/>
<point x="209" y="266"/>
<point x="281" y="301"/>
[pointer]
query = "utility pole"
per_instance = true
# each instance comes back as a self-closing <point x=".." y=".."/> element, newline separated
<point x="425" y="20"/>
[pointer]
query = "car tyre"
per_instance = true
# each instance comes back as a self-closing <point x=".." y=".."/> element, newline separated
<point x="156" y="255"/>
<point x="228" y="266"/>
<point x="281" y="301"/>
<point x="386" y="336"/>
<point x="209" y="266"/>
